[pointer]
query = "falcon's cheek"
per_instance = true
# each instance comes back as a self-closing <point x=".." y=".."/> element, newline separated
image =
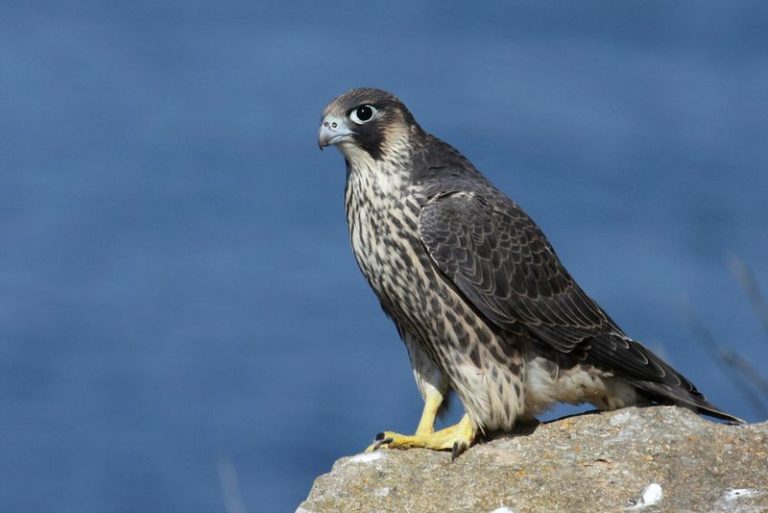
<point x="369" y="138"/>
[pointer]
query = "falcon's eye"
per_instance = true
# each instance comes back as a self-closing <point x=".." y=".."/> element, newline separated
<point x="362" y="114"/>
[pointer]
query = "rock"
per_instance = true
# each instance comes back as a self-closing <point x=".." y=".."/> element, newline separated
<point x="650" y="459"/>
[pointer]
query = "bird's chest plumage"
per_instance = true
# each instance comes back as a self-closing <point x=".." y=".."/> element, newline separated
<point x="382" y="214"/>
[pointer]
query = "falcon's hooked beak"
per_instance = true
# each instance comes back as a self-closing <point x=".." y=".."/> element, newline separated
<point x="333" y="130"/>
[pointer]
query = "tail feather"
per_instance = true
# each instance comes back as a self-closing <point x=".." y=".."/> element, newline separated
<point x="658" y="381"/>
<point x="694" y="400"/>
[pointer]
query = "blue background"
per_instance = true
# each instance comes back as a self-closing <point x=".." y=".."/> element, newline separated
<point x="178" y="300"/>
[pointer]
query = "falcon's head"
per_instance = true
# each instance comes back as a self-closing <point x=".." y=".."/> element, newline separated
<point x="366" y="123"/>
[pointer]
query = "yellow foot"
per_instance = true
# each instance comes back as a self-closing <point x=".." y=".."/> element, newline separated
<point x="457" y="438"/>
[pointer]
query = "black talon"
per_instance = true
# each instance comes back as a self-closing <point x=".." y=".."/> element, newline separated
<point x="457" y="450"/>
<point x="381" y="442"/>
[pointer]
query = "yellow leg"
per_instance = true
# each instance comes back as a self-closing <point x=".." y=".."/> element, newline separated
<point x="457" y="438"/>
<point x="432" y="403"/>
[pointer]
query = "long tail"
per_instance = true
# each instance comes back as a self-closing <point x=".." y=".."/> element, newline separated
<point x="651" y="375"/>
<point x="693" y="399"/>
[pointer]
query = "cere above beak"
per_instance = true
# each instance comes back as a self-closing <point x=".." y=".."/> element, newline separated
<point x="333" y="130"/>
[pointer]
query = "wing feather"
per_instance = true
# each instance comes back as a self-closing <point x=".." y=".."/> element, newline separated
<point x="503" y="264"/>
<point x="502" y="261"/>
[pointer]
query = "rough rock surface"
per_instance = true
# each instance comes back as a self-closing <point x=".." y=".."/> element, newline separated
<point x="594" y="462"/>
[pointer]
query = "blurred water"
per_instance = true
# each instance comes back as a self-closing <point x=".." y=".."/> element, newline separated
<point x="176" y="286"/>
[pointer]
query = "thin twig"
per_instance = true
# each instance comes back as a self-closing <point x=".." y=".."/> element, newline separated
<point x="749" y="283"/>
<point x="741" y="364"/>
<point x="706" y="339"/>
<point x="230" y="486"/>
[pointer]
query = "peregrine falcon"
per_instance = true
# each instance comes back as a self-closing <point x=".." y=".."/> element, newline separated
<point x="484" y="305"/>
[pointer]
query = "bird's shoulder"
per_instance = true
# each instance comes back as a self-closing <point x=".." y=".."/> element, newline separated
<point x="440" y="171"/>
<point x="436" y="167"/>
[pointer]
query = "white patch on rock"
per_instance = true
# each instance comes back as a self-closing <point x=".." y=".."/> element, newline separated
<point x="366" y="457"/>
<point x="621" y="419"/>
<point x="302" y="510"/>
<point x="502" y="509"/>
<point x="381" y="492"/>
<point x="739" y="493"/>
<point x="651" y="495"/>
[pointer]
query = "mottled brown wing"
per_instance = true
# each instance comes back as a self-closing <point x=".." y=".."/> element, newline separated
<point x="502" y="262"/>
